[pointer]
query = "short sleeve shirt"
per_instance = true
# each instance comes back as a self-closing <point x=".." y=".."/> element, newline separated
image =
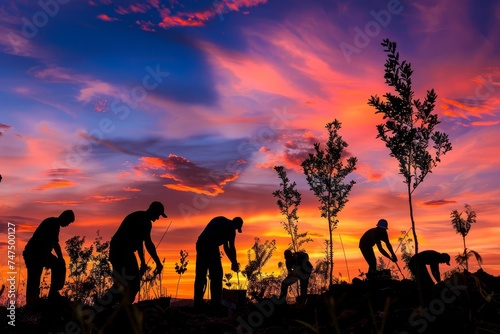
<point x="218" y="231"/>
<point x="134" y="229"/>
<point x="44" y="238"/>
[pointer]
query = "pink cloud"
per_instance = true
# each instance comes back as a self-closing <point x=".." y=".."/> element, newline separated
<point x="106" y="17"/>
<point x="198" y="19"/>
<point x="106" y="199"/>
<point x="130" y="189"/>
<point x="438" y="202"/>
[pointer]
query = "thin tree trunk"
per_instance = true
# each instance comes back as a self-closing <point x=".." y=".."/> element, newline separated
<point x="419" y="283"/>
<point x="177" y="288"/>
<point x="465" y="255"/>
<point x="331" y="249"/>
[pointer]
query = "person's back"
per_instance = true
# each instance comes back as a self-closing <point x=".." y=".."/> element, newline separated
<point x="427" y="257"/>
<point x="134" y="229"/>
<point x="372" y="237"/>
<point x="44" y="237"/>
<point x="218" y="231"/>
<point x="302" y="261"/>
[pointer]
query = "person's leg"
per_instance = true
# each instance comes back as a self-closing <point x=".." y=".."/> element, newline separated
<point x="200" y="280"/>
<point x="369" y="256"/>
<point x="57" y="274"/>
<point x="216" y="273"/>
<point x="126" y="280"/>
<point x="289" y="280"/>
<point x="132" y="270"/>
<point x="304" y="284"/>
<point x="33" y="281"/>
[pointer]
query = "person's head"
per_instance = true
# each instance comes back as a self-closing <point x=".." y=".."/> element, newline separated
<point x="66" y="218"/>
<point x="238" y="223"/>
<point x="288" y="254"/>
<point x="444" y="258"/>
<point x="156" y="210"/>
<point x="382" y="223"/>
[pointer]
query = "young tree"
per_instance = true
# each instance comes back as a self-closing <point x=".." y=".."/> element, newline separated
<point x="261" y="254"/>
<point x="462" y="226"/>
<point x="180" y="268"/>
<point x="100" y="273"/>
<point x="325" y="173"/>
<point x="78" y="287"/>
<point x="288" y="201"/>
<point x="409" y="127"/>
<point x="407" y="249"/>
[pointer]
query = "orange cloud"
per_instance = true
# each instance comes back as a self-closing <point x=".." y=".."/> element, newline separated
<point x="473" y="109"/>
<point x="53" y="184"/>
<point x="189" y="177"/>
<point x="61" y="202"/>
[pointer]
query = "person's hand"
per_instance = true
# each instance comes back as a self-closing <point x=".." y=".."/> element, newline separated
<point x="143" y="269"/>
<point x="235" y="267"/>
<point x="159" y="268"/>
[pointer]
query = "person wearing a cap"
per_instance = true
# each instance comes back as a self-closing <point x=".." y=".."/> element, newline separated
<point x="38" y="254"/>
<point x="372" y="237"/>
<point x="219" y="231"/>
<point x="133" y="233"/>
<point x="418" y="266"/>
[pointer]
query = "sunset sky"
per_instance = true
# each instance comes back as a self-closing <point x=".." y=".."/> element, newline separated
<point x="109" y="105"/>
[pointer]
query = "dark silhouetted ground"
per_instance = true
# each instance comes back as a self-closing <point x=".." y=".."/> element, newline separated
<point x="464" y="303"/>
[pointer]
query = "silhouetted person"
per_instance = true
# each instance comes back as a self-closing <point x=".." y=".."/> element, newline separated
<point x="299" y="269"/>
<point x="38" y="254"/>
<point x="219" y="231"/>
<point x="372" y="237"/>
<point x="134" y="231"/>
<point x="418" y="266"/>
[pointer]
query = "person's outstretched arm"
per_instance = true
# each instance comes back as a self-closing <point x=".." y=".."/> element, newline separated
<point x="57" y="249"/>
<point x="230" y="251"/>
<point x="389" y="247"/>
<point x="382" y="250"/>
<point x="435" y="272"/>
<point x="150" y="247"/>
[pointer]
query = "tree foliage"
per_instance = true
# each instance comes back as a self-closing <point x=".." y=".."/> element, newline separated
<point x="409" y="128"/>
<point x="181" y="267"/>
<point x="261" y="254"/>
<point x="89" y="269"/>
<point x="462" y="227"/>
<point x="79" y="286"/>
<point x="326" y="172"/>
<point x="288" y="201"/>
